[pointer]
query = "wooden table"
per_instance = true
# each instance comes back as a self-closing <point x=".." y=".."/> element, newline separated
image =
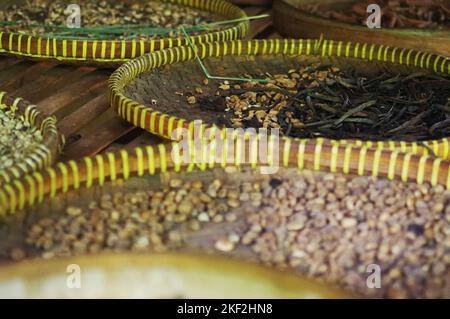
<point x="77" y="97"/>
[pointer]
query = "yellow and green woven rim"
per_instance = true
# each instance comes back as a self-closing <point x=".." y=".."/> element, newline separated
<point x="163" y="125"/>
<point x="150" y="160"/>
<point x="117" y="51"/>
<point x="45" y="153"/>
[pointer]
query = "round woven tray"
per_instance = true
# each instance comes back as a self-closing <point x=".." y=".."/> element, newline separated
<point x="317" y="155"/>
<point x="110" y="53"/>
<point x="292" y="22"/>
<point x="158" y="276"/>
<point x="52" y="143"/>
<point x="48" y="193"/>
<point x="165" y="72"/>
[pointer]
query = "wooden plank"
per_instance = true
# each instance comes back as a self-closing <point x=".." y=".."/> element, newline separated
<point x="125" y="141"/>
<point x="83" y="115"/>
<point x="26" y="76"/>
<point x="146" y="138"/>
<point x="50" y="82"/>
<point x="10" y="72"/>
<point x="97" y="136"/>
<point x="95" y="90"/>
<point x="260" y="25"/>
<point x="274" y="35"/>
<point x="6" y="61"/>
<point x="87" y="87"/>
<point x="253" y="11"/>
<point x="143" y="138"/>
<point x="256" y="25"/>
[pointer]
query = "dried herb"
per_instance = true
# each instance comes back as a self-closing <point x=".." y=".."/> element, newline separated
<point x="17" y="139"/>
<point x="425" y="14"/>
<point x="323" y="101"/>
<point x="106" y="19"/>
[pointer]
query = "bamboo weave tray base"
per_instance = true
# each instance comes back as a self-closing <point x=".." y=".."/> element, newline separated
<point x="165" y="71"/>
<point x="303" y="154"/>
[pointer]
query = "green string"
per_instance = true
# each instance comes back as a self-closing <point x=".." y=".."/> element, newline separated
<point x="105" y="31"/>
<point x="205" y="70"/>
<point x="235" y="20"/>
<point x="318" y="44"/>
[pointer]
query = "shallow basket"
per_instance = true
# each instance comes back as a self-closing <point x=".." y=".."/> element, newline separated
<point x="293" y="22"/>
<point x="110" y="53"/>
<point x="159" y="110"/>
<point x="158" y="276"/>
<point x="242" y="151"/>
<point x="52" y="143"/>
<point x="50" y="192"/>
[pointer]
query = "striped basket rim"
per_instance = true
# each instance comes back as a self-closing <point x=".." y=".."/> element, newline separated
<point x="316" y="155"/>
<point x="163" y="125"/>
<point x="119" y="51"/>
<point x="46" y="152"/>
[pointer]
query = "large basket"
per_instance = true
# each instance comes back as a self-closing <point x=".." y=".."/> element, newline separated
<point x="167" y="71"/>
<point x="48" y="193"/>
<point x="317" y="155"/>
<point x="113" y="52"/>
<point x="292" y="22"/>
<point x="52" y="143"/>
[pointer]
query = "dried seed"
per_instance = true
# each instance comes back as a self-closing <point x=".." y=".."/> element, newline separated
<point x="185" y="208"/>
<point x="203" y="217"/>
<point x="191" y="99"/>
<point x="349" y="222"/>
<point x="152" y="14"/>
<point x="73" y="211"/>
<point x="17" y="254"/>
<point x="224" y="245"/>
<point x="175" y="183"/>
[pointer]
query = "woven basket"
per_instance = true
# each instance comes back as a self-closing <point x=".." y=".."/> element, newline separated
<point x="167" y="71"/>
<point x="52" y="143"/>
<point x="49" y="192"/>
<point x="160" y="276"/>
<point x="292" y="22"/>
<point x="315" y="155"/>
<point x="113" y="52"/>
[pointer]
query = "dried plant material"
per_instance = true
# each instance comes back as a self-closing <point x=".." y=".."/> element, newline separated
<point x="224" y="245"/>
<point x="17" y="254"/>
<point x="149" y="220"/>
<point x="331" y="227"/>
<point x="323" y="101"/>
<point x="191" y="99"/>
<point x="17" y="139"/>
<point x="39" y="16"/>
<point x="325" y="226"/>
<point x="421" y="14"/>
